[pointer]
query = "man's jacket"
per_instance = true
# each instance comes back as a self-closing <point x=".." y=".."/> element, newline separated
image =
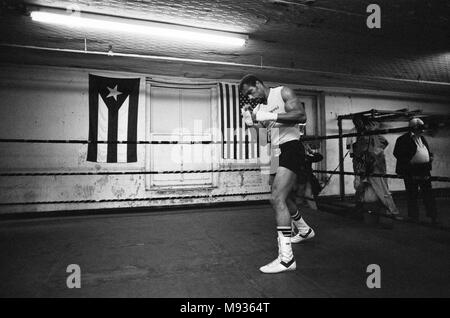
<point x="404" y="151"/>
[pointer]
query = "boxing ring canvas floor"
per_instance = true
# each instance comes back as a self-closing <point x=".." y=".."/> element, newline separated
<point x="216" y="252"/>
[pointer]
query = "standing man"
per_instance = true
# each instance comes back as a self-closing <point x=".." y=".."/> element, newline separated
<point x="309" y="186"/>
<point x="281" y="113"/>
<point x="414" y="165"/>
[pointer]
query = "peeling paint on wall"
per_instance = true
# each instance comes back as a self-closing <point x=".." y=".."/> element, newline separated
<point x="102" y="181"/>
<point x="118" y="192"/>
<point x="84" y="191"/>
<point x="30" y="196"/>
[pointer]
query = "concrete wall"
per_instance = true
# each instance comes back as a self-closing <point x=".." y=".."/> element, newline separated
<point x="341" y="104"/>
<point x="52" y="103"/>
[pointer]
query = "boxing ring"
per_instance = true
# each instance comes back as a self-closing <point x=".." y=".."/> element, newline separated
<point x="435" y="121"/>
<point x="212" y="251"/>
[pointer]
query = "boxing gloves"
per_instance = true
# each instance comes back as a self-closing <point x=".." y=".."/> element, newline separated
<point x="247" y="117"/>
<point x="259" y="115"/>
<point x="263" y="116"/>
<point x="246" y="113"/>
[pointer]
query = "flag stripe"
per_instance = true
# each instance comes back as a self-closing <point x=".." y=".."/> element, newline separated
<point x="257" y="145"/>
<point x="228" y="110"/>
<point x="102" y="131"/>
<point x="113" y="122"/>
<point x="238" y="121"/>
<point x="222" y="120"/>
<point x="133" y="122"/>
<point x="233" y="128"/>
<point x="252" y="137"/>
<point x="123" y="131"/>
<point x="242" y="131"/>
<point x="246" y="146"/>
<point x="225" y="124"/>
<point x="93" y="119"/>
<point x="252" y="140"/>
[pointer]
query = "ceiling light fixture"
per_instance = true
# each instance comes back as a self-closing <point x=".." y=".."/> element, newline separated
<point x="143" y="27"/>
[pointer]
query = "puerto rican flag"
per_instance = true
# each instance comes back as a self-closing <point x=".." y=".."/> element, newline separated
<point x="113" y="110"/>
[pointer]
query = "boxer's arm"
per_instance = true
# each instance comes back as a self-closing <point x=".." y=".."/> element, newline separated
<point x="295" y="110"/>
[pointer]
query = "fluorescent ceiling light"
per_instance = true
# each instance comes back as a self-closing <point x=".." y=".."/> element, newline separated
<point x="157" y="29"/>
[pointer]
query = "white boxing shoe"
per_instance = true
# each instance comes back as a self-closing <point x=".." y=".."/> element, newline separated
<point x="279" y="266"/>
<point x="301" y="231"/>
<point x="285" y="260"/>
<point x="300" y="237"/>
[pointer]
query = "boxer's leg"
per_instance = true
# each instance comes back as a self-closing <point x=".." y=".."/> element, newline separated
<point x="283" y="184"/>
<point x="300" y="229"/>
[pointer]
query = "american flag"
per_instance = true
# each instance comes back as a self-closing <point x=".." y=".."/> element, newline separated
<point x="239" y="141"/>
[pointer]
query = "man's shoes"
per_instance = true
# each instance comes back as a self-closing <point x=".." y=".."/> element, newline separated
<point x="301" y="231"/>
<point x="279" y="266"/>
<point x="285" y="260"/>
<point x="299" y="237"/>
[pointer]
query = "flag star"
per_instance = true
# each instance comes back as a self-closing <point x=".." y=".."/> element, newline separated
<point x="113" y="92"/>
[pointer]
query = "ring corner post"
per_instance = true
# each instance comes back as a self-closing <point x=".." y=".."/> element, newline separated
<point x="341" y="161"/>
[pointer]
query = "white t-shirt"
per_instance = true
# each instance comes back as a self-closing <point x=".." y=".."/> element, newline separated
<point x="422" y="155"/>
<point x="280" y="133"/>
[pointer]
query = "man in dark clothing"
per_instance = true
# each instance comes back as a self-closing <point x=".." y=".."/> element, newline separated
<point x="308" y="186"/>
<point x="414" y="165"/>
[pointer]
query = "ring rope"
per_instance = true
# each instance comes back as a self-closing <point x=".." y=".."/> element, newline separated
<point x="34" y="174"/>
<point x="393" y="176"/>
<point x="356" y="134"/>
<point x="136" y="142"/>
<point x="166" y="142"/>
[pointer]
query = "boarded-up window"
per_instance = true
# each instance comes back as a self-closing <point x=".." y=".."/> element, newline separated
<point x="181" y="114"/>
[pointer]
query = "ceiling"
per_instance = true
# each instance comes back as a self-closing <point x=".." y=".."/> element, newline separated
<point x="323" y="43"/>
